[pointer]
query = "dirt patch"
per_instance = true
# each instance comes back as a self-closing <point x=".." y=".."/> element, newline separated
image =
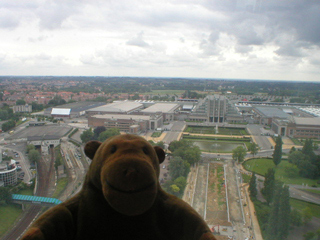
<point x="216" y="205"/>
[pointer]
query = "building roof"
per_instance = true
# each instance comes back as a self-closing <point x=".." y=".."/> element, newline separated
<point x="307" y="121"/>
<point x="187" y="107"/>
<point x="161" y="107"/>
<point x="78" y="106"/>
<point x="125" y="106"/>
<point x="271" y="112"/>
<point x="60" y="111"/>
<point x="122" y="116"/>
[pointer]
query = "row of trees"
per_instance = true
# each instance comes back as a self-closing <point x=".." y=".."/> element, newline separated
<point x="239" y="153"/>
<point x="306" y="160"/>
<point x="99" y="133"/>
<point x="33" y="154"/>
<point x="276" y="215"/>
<point x="184" y="155"/>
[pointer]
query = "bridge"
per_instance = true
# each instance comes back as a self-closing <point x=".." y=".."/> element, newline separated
<point x="43" y="201"/>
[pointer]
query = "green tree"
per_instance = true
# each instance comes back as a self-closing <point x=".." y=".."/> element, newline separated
<point x="175" y="189"/>
<point x="309" y="236"/>
<point x="277" y="154"/>
<point x="279" y="218"/>
<point x="36" y="107"/>
<point x="8" y="125"/>
<point x="108" y="133"/>
<point x="86" y="135"/>
<point x="174" y="145"/>
<point x="57" y="100"/>
<point x="4" y="115"/>
<point x="295" y="218"/>
<point x="253" y="186"/>
<point x="307" y="149"/>
<point x="273" y="221"/>
<point x="239" y="153"/>
<point x="5" y="194"/>
<point x="181" y="182"/>
<point x="268" y="185"/>
<point x="307" y="168"/>
<point x="284" y="213"/>
<point x="293" y="149"/>
<point x="34" y="155"/>
<point x="306" y="215"/>
<point x="253" y="148"/>
<point x="30" y="147"/>
<point x="98" y="130"/>
<point x="178" y="167"/>
<point x="20" y="102"/>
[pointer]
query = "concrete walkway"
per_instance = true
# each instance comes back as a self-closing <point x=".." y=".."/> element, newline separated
<point x="253" y="216"/>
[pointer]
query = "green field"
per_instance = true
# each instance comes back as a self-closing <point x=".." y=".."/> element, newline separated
<point x="300" y="205"/>
<point x="61" y="185"/>
<point x="156" y="134"/>
<point x="285" y="171"/>
<point x="312" y="191"/>
<point x="9" y="214"/>
<point x="212" y="130"/>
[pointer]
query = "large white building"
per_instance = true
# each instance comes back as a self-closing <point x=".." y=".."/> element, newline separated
<point x="8" y="173"/>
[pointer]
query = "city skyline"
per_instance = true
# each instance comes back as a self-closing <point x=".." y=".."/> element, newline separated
<point x="182" y="39"/>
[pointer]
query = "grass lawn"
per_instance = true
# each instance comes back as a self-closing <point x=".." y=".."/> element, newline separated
<point x="285" y="171"/>
<point x="156" y="134"/>
<point x="246" y="178"/>
<point x="26" y="192"/>
<point x="312" y="191"/>
<point x="296" y="141"/>
<point x="212" y="130"/>
<point x="9" y="214"/>
<point x="61" y="185"/>
<point x="300" y="205"/>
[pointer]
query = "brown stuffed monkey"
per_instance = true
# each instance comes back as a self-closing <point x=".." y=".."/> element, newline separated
<point x="121" y="198"/>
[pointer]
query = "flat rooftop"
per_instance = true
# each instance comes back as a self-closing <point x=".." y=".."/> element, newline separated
<point x="78" y="106"/>
<point x="272" y="112"/>
<point x="49" y="131"/>
<point x="118" y="107"/>
<point x="122" y="116"/>
<point x="161" y="107"/>
<point x="307" y="121"/>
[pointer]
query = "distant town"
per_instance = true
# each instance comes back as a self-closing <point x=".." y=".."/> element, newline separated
<point x="230" y="144"/>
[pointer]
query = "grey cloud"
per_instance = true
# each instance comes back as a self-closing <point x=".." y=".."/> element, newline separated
<point x="138" y="41"/>
<point x="243" y="49"/>
<point x="208" y="48"/>
<point x="289" y="51"/>
<point x="53" y="14"/>
<point x="37" y="39"/>
<point x="8" y="19"/>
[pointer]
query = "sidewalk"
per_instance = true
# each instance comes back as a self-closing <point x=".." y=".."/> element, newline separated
<point x="253" y="217"/>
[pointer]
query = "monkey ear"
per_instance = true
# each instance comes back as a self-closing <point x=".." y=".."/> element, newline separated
<point x="90" y="148"/>
<point x="160" y="153"/>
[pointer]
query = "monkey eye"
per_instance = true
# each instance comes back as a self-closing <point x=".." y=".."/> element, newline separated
<point x="145" y="150"/>
<point x="113" y="149"/>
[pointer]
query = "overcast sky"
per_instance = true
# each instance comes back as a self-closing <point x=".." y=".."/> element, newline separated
<point x="247" y="39"/>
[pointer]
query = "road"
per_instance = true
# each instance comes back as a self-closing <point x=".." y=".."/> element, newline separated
<point x="76" y="168"/>
<point x="174" y="133"/>
<point x="199" y="195"/>
<point x="262" y="141"/>
<point x="234" y="200"/>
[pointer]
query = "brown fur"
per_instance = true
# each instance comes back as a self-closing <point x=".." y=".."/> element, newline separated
<point x="121" y="199"/>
